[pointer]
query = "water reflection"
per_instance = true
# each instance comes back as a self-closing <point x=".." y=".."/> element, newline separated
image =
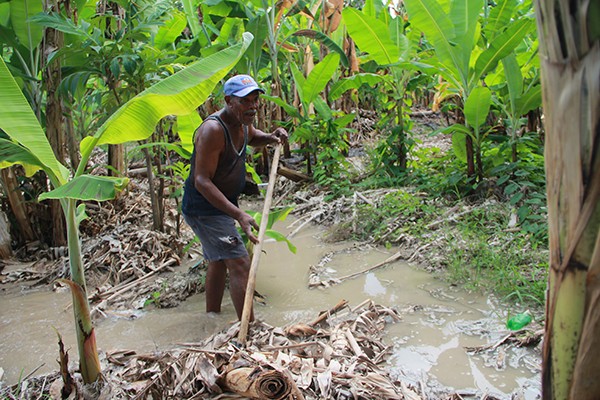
<point x="373" y="286"/>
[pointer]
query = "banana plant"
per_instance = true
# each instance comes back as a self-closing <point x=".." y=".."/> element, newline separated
<point x="519" y="99"/>
<point x="476" y="111"/>
<point x="25" y="143"/>
<point x="308" y="125"/>
<point x="452" y="28"/>
<point x="279" y="214"/>
<point x="382" y="41"/>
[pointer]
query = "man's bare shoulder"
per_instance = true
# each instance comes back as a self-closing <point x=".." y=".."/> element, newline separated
<point x="209" y="130"/>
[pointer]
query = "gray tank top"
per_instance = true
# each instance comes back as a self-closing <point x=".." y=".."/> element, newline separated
<point x="229" y="178"/>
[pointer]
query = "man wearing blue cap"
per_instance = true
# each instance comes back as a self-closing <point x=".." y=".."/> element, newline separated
<point x="217" y="177"/>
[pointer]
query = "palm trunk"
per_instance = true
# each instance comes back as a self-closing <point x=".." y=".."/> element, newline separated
<point x="570" y="64"/>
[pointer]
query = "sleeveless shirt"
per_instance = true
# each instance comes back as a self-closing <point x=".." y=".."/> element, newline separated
<point x="229" y="178"/>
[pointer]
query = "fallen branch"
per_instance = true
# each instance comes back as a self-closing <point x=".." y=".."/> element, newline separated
<point x="323" y="316"/>
<point x="312" y="218"/>
<point x="389" y="260"/>
<point x="117" y="290"/>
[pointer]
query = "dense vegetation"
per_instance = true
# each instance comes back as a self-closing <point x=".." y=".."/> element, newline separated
<point x="99" y="74"/>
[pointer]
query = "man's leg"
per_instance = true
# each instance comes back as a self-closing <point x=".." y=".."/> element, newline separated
<point x="238" y="280"/>
<point x="215" y="285"/>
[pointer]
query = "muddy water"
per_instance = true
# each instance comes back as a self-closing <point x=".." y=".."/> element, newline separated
<point x="427" y="345"/>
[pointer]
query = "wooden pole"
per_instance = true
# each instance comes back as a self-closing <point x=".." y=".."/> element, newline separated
<point x="249" y="297"/>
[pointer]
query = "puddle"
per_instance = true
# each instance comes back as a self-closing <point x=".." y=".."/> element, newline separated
<point x="427" y="346"/>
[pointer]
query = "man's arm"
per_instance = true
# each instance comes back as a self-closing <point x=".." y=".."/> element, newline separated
<point x="257" y="138"/>
<point x="210" y="142"/>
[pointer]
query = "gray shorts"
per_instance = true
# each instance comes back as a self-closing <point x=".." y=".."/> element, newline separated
<point x="219" y="237"/>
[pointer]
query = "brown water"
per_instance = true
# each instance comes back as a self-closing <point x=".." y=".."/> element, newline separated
<point x="428" y="344"/>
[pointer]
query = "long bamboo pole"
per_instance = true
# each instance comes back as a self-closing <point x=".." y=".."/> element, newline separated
<point x="249" y="297"/>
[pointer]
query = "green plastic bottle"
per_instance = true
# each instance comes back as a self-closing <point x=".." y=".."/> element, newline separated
<point x="518" y="321"/>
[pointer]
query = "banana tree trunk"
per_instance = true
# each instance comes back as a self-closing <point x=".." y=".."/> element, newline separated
<point x="89" y="363"/>
<point x="53" y="41"/>
<point x="570" y="65"/>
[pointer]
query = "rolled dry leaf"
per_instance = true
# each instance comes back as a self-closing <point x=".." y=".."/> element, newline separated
<point x="300" y="330"/>
<point x="258" y="383"/>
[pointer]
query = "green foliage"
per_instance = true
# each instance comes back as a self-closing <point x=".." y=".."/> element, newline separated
<point x="488" y="257"/>
<point x="179" y="94"/>
<point x="396" y="213"/>
<point x="524" y="186"/>
<point x="153" y="299"/>
<point x="464" y="61"/>
<point x="274" y="216"/>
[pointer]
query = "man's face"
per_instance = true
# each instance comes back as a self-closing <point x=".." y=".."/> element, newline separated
<point x="244" y="108"/>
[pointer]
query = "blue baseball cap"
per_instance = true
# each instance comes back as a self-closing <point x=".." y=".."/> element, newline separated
<point x="240" y="86"/>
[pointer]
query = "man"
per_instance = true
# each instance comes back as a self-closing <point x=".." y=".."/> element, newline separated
<point x="217" y="177"/>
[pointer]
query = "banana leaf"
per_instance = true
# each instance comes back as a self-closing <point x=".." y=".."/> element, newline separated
<point x="371" y="36"/>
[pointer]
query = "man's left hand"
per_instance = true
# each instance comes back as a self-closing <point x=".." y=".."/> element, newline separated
<point x="281" y="135"/>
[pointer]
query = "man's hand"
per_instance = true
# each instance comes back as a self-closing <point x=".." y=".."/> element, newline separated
<point x="280" y="135"/>
<point x="247" y="223"/>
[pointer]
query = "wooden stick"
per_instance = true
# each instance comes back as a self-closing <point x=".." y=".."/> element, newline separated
<point x="389" y="260"/>
<point x="331" y="311"/>
<point x="249" y="297"/>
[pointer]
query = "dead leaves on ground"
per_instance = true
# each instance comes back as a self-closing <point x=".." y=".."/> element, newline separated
<point x="341" y="358"/>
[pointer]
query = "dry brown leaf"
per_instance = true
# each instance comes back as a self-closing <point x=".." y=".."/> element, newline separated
<point x="300" y="330"/>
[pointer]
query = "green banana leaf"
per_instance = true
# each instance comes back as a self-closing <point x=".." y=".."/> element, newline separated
<point x="323" y="109"/>
<point x="280" y="237"/>
<point x="166" y="35"/>
<point x="88" y="187"/>
<point x="429" y="17"/>
<point x="179" y="94"/>
<point x="29" y="33"/>
<point x="502" y="46"/>
<point x="186" y="127"/>
<point x="478" y="106"/>
<point x="256" y="26"/>
<point x="290" y="110"/>
<point x="326" y="41"/>
<point x="319" y="77"/>
<point x="299" y="80"/>
<point x="514" y="80"/>
<point x="63" y="24"/>
<point x="18" y="121"/>
<point x="464" y="15"/>
<point x="279" y="214"/>
<point x="530" y="100"/>
<point x="191" y="14"/>
<point x="12" y="153"/>
<point x="371" y="36"/>
<point x="4" y="14"/>
<point x="459" y="140"/>
<point x="500" y="17"/>
<point x="354" y="82"/>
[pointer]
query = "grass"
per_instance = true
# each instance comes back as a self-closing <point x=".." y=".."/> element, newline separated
<point x="470" y="244"/>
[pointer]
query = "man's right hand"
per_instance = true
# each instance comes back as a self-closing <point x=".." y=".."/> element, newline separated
<point x="247" y="223"/>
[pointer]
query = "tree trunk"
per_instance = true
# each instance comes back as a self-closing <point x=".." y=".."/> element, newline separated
<point x="5" y="238"/>
<point x="570" y="65"/>
<point x="53" y="41"/>
<point x="17" y="204"/>
<point x="470" y="156"/>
